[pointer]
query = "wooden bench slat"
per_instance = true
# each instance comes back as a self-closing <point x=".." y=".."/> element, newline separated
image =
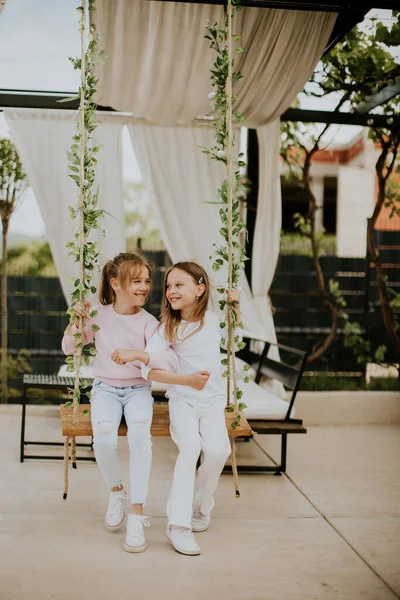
<point x="276" y="427"/>
<point x="81" y="425"/>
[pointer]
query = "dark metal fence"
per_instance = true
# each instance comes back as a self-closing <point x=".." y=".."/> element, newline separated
<point x="37" y="308"/>
<point x="301" y="319"/>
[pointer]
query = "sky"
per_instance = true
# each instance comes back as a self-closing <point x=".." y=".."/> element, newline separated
<point x="36" y="39"/>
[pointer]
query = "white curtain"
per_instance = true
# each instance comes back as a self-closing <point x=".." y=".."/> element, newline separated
<point x="181" y="182"/>
<point x="158" y="59"/>
<point x="266" y="243"/>
<point x="158" y="68"/>
<point x="42" y="138"/>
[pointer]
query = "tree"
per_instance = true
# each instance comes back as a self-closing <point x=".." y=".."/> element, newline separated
<point x="34" y="258"/>
<point x="354" y="71"/>
<point x="298" y="152"/>
<point x="12" y="185"/>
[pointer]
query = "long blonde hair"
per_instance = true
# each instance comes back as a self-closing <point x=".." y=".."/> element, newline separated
<point x="172" y="318"/>
<point x="123" y="267"/>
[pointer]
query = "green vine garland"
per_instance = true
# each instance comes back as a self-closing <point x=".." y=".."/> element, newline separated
<point x="229" y="253"/>
<point x="82" y="158"/>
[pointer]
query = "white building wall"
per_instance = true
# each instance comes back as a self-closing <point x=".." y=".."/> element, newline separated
<point x="318" y="187"/>
<point x="355" y="202"/>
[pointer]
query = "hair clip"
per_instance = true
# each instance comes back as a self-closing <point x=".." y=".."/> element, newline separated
<point x="200" y="280"/>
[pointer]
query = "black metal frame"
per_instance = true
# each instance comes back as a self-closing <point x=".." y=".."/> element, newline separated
<point x="39" y="382"/>
<point x="291" y="378"/>
<point x="286" y="380"/>
<point x="340" y="6"/>
<point x="49" y="100"/>
<point x="277" y="470"/>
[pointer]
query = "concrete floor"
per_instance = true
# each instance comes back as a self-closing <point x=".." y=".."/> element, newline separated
<point x="330" y="529"/>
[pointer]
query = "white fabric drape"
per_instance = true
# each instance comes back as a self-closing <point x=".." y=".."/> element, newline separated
<point x="158" y="68"/>
<point x="181" y="181"/>
<point x="159" y="61"/>
<point x="42" y="138"/>
<point x="266" y="243"/>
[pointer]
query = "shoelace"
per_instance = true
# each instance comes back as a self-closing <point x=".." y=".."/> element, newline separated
<point x="116" y="505"/>
<point x="186" y="534"/>
<point x="135" y="527"/>
<point x="196" y="514"/>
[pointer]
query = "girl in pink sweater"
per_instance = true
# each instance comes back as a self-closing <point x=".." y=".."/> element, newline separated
<point x="119" y="389"/>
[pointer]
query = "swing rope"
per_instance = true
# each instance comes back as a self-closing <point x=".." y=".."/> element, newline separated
<point x="229" y="170"/>
<point x="66" y="457"/>
<point x="82" y="147"/>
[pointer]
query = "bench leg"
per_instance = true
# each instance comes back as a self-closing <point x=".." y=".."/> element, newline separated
<point x="282" y="468"/>
<point x="22" y="441"/>
<point x="199" y="461"/>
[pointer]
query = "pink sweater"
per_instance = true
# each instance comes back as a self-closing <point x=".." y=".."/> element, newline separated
<point x="120" y="331"/>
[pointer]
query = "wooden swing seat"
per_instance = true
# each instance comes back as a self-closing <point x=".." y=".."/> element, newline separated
<point x="80" y="425"/>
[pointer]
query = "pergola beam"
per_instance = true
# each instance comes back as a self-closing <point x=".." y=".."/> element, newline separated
<point x="312" y="5"/>
<point x="36" y="99"/>
<point x="338" y="118"/>
<point x="50" y="100"/>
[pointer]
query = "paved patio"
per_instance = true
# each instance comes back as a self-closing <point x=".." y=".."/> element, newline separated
<point x="329" y="529"/>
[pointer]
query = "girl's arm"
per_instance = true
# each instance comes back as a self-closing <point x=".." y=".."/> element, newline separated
<point x="158" y="353"/>
<point x="155" y="349"/>
<point x="194" y="380"/>
<point x="157" y="345"/>
<point x="122" y="356"/>
<point x="69" y="340"/>
<point x="156" y="360"/>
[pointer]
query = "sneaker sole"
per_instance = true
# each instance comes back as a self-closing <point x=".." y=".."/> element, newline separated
<point x="196" y="553"/>
<point x="115" y="527"/>
<point x="195" y="530"/>
<point x="135" y="549"/>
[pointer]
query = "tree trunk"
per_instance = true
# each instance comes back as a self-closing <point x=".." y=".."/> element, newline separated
<point x="4" y="378"/>
<point x="386" y="309"/>
<point x="318" y="350"/>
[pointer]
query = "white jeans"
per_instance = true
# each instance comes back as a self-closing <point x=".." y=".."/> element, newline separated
<point x="194" y="429"/>
<point x="107" y="406"/>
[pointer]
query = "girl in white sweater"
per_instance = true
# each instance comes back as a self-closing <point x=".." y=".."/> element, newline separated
<point x="197" y="416"/>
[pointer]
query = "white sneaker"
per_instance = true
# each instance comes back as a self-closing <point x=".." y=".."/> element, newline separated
<point x="115" y="515"/>
<point x="200" y="522"/>
<point x="135" y="540"/>
<point x="183" y="540"/>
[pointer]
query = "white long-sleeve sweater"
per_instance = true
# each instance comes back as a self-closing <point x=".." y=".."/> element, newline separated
<point x="197" y="352"/>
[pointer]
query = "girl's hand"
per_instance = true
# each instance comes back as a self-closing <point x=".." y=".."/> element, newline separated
<point x="81" y="310"/>
<point x="198" y="380"/>
<point x="233" y="298"/>
<point x="121" y="356"/>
